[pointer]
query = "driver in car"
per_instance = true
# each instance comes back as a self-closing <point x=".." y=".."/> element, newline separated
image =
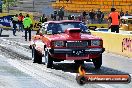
<point x="53" y="29"/>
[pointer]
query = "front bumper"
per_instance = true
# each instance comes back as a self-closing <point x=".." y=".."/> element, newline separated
<point x="77" y="51"/>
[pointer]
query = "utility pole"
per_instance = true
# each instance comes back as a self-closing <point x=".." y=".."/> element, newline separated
<point x="112" y="3"/>
<point x="33" y="5"/>
<point x="1" y="6"/>
<point x="7" y="3"/>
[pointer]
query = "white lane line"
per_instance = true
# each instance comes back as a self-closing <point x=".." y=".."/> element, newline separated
<point x="74" y="74"/>
<point x="15" y="42"/>
<point x="20" y="43"/>
<point x="105" y="85"/>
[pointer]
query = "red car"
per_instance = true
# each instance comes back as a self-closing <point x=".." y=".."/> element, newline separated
<point x="66" y="40"/>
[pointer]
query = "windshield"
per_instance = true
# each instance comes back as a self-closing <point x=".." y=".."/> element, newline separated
<point x="61" y="27"/>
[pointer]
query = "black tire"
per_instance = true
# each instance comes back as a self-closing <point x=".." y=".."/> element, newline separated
<point x="33" y="52"/>
<point x="0" y="31"/>
<point x="81" y="80"/>
<point x="97" y="62"/>
<point x="49" y="63"/>
<point x="37" y="56"/>
<point x="30" y="47"/>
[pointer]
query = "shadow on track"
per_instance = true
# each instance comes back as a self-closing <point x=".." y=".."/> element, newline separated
<point x="89" y="68"/>
<point x="4" y="35"/>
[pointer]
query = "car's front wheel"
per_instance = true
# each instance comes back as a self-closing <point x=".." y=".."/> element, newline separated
<point x="97" y="62"/>
<point x="0" y="31"/>
<point x="30" y="47"/>
<point x="48" y="59"/>
<point x="37" y="56"/>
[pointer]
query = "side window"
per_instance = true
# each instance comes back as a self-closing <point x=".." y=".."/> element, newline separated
<point x="83" y="27"/>
<point x="49" y="28"/>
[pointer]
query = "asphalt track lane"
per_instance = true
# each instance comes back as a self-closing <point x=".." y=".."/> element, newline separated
<point x="112" y="64"/>
<point x="103" y="85"/>
<point x="90" y="69"/>
<point x="49" y="77"/>
<point x="10" y="77"/>
<point x="61" y="79"/>
<point x="118" y="62"/>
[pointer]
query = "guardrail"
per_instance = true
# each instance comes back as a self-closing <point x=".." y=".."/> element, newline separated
<point x="116" y="43"/>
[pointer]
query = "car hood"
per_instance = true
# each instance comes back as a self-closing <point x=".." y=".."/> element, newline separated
<point x="66" y="37"/>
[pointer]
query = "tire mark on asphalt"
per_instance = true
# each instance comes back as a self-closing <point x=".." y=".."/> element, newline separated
<point x="48" y="71"/>
<point x="12" y="54"/>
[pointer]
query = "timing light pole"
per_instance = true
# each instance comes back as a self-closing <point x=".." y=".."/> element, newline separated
<point x="0" y="6"/>
<point x="112" y="3"/>
<point x="7" y="3"/>
<point x="33" y="5"/>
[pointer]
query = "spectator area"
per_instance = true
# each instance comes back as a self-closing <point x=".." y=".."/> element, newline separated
<point x="86" y="5"/>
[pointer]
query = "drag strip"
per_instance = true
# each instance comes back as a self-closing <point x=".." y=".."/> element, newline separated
<point x="51" y="77"/>
<point x="11" y="77"/>
<point x="64" y="73"/>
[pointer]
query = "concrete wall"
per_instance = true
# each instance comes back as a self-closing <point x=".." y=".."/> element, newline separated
<point x="116" y="43"/>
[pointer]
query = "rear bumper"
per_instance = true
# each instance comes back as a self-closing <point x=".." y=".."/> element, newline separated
<point x="77" y="51"/>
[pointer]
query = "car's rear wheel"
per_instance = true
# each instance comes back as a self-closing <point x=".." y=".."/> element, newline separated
<point x="37" y="56"/>
<point x="97" y="62"/>
<point x="48" y="59"/>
